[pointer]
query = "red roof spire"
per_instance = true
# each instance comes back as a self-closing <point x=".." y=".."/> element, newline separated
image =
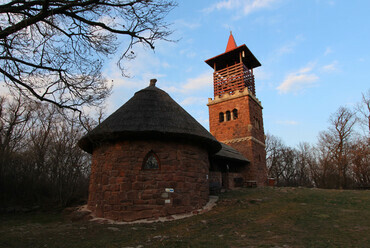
<point x="231" y="44"/>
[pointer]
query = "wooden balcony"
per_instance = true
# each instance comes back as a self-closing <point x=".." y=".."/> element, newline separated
<point x="233" y="78"/>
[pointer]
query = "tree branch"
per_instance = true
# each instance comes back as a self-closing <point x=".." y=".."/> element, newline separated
<point x="30" y="89"/>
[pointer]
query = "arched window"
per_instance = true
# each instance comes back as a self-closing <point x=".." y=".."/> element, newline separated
<point x="151" y="161"/>
<point x="228" y="115"/>
<point x="221" y="116"/>
<point x="235" y="114"/>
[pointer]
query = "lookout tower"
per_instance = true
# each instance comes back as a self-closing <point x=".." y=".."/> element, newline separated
<point x="235" y="113"/>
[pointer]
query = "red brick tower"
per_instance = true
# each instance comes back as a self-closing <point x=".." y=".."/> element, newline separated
<point x="235" y="113"/>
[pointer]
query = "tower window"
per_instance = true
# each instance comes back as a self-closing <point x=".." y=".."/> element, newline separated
<point x="235" y="114"/>
<point x="228" y="115"/>
<point x="151" y="161"/>
<point x="221" y="117"/>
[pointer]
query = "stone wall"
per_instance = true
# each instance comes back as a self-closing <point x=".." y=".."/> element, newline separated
<point x="248" y="124"/>
<point x="121" y="190"/>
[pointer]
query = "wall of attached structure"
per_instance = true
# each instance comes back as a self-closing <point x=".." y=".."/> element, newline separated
<point x="243" y="132"/>
<point x="121" y="189"/>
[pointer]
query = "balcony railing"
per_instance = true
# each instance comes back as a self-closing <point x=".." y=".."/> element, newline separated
<point x="233" y="78"/>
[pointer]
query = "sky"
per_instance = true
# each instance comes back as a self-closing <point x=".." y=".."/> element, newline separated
<point x="314" y="54"/>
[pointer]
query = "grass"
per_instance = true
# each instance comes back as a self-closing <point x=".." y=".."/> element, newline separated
<point x="261" y="217"/>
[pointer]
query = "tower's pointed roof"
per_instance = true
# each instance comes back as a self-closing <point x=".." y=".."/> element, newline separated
<point x="231" y="44"/>
<point x="232" y="55"/>
<point x="150" y="114"/>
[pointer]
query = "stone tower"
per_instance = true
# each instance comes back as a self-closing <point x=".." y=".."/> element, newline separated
<point x="235" y="113"/>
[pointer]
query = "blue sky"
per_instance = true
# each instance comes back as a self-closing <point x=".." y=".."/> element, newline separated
<point x="314" y="54"/>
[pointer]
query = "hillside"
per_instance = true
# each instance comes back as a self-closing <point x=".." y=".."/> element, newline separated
<point x="262" y="217"/>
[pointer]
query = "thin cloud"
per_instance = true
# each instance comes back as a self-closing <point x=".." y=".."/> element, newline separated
<point x="328" y="51"/>
<point x="244" y="7"/>
<point x="330" y="67"/>
<point x="289" y="47"/>
<point x="197" y="83"/>
<point x="187" y="24"/>
<point x="192" y="84"/>
<point x="297" y="81"/>
<point x="287" y="122"/>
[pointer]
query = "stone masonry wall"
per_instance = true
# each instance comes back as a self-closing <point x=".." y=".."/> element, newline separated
<point x="121" y="190"/>
<point x="245" y="125"/>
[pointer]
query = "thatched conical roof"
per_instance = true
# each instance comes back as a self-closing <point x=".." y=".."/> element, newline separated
<point x="150" y="114"/>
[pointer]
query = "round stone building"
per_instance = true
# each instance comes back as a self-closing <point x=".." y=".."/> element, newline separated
<point x="150" y="158"/>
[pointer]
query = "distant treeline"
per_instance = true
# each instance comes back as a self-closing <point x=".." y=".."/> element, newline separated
<point x="40" y="163"/>
<point x="339" y="159"/>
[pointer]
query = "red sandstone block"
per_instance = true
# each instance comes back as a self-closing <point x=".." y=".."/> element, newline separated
<point x="149" y="191"/>
<point x="107" y="166"/>
<point x="105" y="179"/>
<point x="137" y="186"/>
<point x="140" y="205"/>
<point x="180" y="186"/>
<point x="107" y="194"/>
<point x="159" y="201"/>
<point x="125" y="203"/>
<point x="150" y="185"/>
<point x="163" y="185"/>
<point x="185" y="200"/>
<point x="114" y="173"/>
<point x="175" y="210"/>
<point x="109" y="215"/>
<point x="146" y="196"/>
<point x="125" y="186"/>
<point x="112" y="180"/>
<point x="163" y="155"/>
<point x="188" y="186"/>
<point x="132" y="195"/>
<point x="99" y="211"/>
<point x="145" y="177"/>
<point x="116" y="187"/>
<point x="145" y="214"/>
<point x="128" y="216"/>
<point x="120" y="179"/>
<point x="177" y="202"/>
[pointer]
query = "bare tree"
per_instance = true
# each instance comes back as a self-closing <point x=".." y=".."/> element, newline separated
<point x="14" y="119"/>
<point x="360" y="158"/>
<point x="363" y="110"/>
<point x="305" y="161"/>
<point x="53" y="50"/>
<point x="39" y="158"/>
<point x="336" y="143"/>
<point x="274" y="146"/>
